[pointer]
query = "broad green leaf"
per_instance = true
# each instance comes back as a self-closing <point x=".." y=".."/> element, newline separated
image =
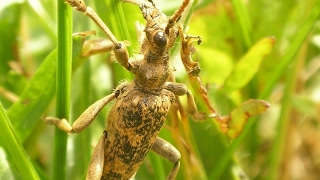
<point x="248" y="65"/>
<point x="239" y="116"/>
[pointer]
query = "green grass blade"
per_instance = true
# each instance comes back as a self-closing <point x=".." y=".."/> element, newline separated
<point x="292" y="50"/>
<point x="189" y="13"/>
<point x="35" y="98"/>
<point x="25" y="113"/>
<point x="156" y="163"/>
<point x="63" y="82"/>
<point x="9" y="21"/>
<point x="44" y="17"/>
<point x="14" y="147"/>
<point x="277" y="150"/>
<point x="244" y="21"/>
<point x="276" y="156"/>
<point x="288" y="57"/>
<point x="117" y="21"/>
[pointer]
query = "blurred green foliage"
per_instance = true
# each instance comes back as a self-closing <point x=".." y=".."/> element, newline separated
<point x="236" y="66"/>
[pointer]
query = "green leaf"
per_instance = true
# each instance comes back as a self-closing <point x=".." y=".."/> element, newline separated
<point x="267" y="90"/>
<point x="240" y="116"/>
<point x="37" y="95"/>
<point x="9" y="21"/>
<point x="244" y="21"/>
<point x="14" y="147"/>
<point x="248" y="65"/>
<point x="25" y="113"/>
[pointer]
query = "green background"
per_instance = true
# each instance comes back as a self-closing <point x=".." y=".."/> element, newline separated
<point x="239" y="62"/>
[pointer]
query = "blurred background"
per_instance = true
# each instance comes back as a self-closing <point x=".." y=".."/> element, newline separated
<point x="263" y="49"/>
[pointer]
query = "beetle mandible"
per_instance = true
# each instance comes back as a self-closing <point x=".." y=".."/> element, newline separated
<point x="141" y="106"/>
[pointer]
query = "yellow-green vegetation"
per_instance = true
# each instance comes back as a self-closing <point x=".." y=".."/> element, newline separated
<point x="263" y="49"/>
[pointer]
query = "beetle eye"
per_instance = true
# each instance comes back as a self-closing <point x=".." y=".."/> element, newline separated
<point x="160" y="39"/>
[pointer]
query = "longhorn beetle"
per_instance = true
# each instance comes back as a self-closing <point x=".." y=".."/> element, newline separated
<point x="141" y="106"/>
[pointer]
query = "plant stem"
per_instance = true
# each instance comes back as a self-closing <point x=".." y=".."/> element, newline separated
<point x="64" y="65"/>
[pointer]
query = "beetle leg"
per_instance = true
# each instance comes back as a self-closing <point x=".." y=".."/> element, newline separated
<point x="177" y="15"/>
<point x="169" y="152"/>
<point x="85" y="118"/>
<point x="94" y="46"/>
<point x="119" y="47"/>
<point x="97" y="160"/>
<point x="180" y="90"/>
<point x="139" y="2"/>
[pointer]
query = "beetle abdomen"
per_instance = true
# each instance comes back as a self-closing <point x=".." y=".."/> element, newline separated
<point x="133" y="124"/>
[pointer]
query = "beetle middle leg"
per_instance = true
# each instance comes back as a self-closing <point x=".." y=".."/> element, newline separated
<point x="180" y="90"/>
<point x="169" y="152"/>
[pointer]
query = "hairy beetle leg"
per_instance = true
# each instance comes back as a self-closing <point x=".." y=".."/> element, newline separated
<point x="97" y="160"/>
<point x="138" y="2"/>
<point x="119" y="47"/>
<point x="169" y="152"/>
<point x="180" y="90"/>
<point x="85" y="118"/>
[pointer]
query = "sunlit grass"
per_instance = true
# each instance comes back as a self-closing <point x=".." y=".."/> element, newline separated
<point x="288" y="79"/>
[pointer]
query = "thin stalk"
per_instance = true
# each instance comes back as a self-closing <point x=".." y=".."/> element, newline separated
<point x="14" y="147"/>
<point x="64" y="66"/>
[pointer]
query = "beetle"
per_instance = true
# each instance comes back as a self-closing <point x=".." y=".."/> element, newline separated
<point x="142" y="105"/>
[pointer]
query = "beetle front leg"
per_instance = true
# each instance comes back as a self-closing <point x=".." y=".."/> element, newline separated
<point x="120" y="47"/>
<point x="85" y="118"/>
<point x="180" y="90"/>
<point x="169" y="152"/>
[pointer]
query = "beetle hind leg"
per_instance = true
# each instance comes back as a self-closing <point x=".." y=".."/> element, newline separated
<point x="97" y="160"/>
<point x="169" y="152"/>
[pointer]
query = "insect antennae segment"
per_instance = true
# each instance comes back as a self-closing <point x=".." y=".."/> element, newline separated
<point x="176" y="16"/>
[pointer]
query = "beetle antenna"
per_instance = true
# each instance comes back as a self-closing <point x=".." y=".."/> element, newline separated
<point x="176" y="16"/>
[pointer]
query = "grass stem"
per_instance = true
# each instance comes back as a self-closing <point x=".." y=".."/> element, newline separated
<point x="64" y="65"/>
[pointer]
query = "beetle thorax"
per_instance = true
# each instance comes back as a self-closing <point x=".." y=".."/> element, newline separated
<point x="152" y="72"/>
